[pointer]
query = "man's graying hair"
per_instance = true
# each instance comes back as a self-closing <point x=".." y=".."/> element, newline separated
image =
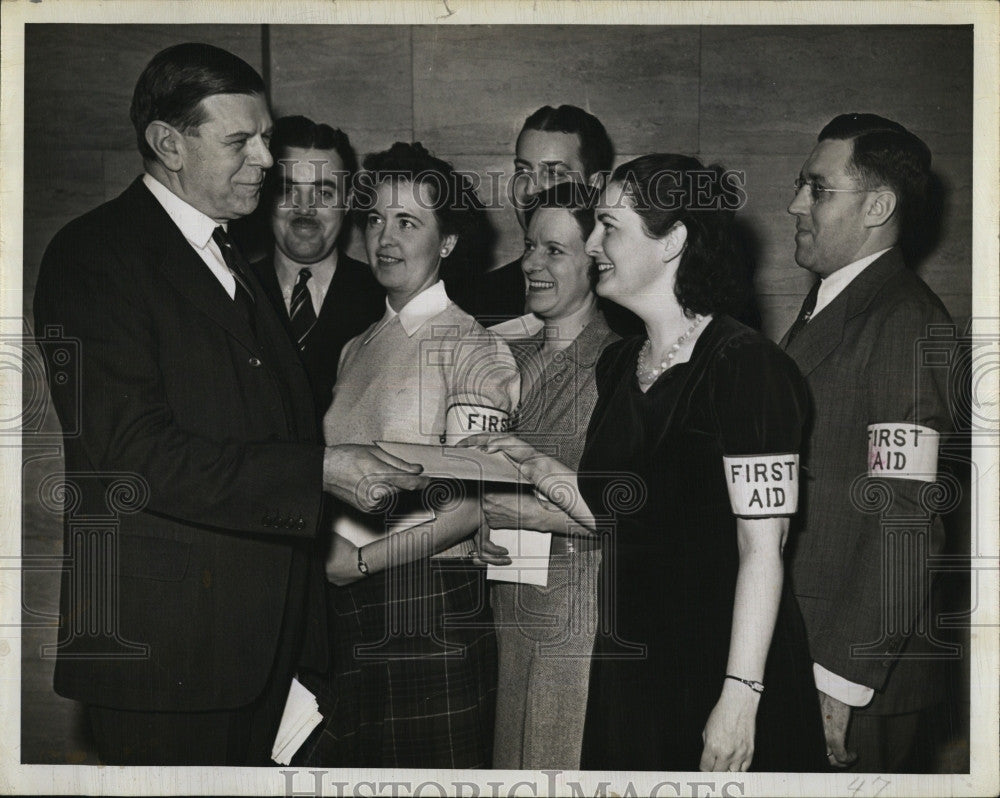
<point x="176" y="80"/>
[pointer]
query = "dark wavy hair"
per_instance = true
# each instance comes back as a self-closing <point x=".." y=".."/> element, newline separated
<point x="451" y="192"/>
<point x="596" y="150"/>
<point x="303" y="133"/>
<point x="571" y="197"/>
<point x="884" y="153"/>
<point x="176" y="80"/>
<point x="664" y="189"/>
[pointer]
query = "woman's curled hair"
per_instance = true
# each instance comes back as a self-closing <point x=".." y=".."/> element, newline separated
<point x="713" y="275"/>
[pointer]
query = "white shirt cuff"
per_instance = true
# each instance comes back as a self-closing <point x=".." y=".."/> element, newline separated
<point x="850" y="693"/>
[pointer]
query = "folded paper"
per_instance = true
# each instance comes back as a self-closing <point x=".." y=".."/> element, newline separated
<point x="300" y="717"/>
<point x="455" y="462"/>
<point x="529" y="553"/>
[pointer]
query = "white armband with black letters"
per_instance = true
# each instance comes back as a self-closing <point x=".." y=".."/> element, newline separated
<point x="465" y="419"/>
<point x="903" y="450"/>
<point x="762" y="485"/>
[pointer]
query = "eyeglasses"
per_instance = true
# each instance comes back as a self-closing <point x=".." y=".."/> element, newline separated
<point x="818" y="192"/>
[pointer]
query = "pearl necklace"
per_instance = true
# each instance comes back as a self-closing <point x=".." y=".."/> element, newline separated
<point x="645" y="373"/>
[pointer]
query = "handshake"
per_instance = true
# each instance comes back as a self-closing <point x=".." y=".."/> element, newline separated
<point x="365" y="476"/>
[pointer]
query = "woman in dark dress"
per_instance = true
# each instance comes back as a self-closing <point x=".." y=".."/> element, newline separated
<point x="691" y="473"/>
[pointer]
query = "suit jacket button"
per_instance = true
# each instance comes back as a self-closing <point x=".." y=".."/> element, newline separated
<point x="301" y="524"/>
<point x="255" y="362"/>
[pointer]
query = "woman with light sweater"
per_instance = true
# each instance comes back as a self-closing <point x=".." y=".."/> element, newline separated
<point x="414" y="659"/>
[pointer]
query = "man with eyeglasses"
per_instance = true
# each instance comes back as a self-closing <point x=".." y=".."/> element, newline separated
<point x="862" y="583"/>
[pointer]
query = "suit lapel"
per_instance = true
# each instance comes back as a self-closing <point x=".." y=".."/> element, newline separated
<point x="337" y="309"/>
<point x="825" y="331"/>
<point x="268" y="278"/>
<point x="186" y="271"/>
<point x="819" y="337"/>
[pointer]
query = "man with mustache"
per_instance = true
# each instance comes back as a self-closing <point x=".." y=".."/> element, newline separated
<point x="879" y="411"/>
<point x="325" y="296"/>
<point x="194" y="475"/>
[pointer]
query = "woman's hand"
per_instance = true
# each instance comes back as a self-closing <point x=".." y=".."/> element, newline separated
<point x="729" y="733"/>
<point x="513" y="510"/>
<point x="530" y="462"/>
<point x="487" y="552"/>
<point x="538" y="468"/>
<point x="342" y="562"/>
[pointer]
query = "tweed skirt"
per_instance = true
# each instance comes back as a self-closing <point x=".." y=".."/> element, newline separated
<point x="545" y="637"/>
<point x="413" y="671"/>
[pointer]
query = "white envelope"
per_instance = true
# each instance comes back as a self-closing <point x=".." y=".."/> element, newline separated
<point x="300" y="716"/>
<point x="456" y="462"/>
<point x="529" y="552"/>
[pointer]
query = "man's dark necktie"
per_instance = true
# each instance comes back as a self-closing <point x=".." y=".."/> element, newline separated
<point x="808" y="306"/>
<point x="300" y="311"/>
<point x="237" y="266"/>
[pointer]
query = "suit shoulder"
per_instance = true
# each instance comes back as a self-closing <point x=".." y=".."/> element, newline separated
<point x="906" y="296"/>
<point x="103" y="226"/>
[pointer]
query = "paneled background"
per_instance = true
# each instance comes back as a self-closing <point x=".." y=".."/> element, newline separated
<point x="751" y="98"/>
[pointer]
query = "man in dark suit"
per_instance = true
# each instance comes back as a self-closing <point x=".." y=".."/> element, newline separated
<point x="555" y="145"/>
<point x="193" y="472"/>
<point x="860" y="577"/>
<point x="324" y="296"/>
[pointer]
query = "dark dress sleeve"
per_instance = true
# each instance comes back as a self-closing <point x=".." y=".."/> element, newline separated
<point x="760" y="404"/>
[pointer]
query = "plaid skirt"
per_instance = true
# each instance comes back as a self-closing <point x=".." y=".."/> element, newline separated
<point x="413" y="671"/>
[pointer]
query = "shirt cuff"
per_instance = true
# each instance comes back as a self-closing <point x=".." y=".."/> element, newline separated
<point x="850" y="693"/>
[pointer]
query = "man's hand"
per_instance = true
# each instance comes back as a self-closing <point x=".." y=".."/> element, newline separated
<point x="363" y="476"/>
<point x="836" y="716"/>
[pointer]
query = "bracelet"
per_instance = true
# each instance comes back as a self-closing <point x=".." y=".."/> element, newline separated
<point x="362" y="565"/>
<point x="757" y="687"/>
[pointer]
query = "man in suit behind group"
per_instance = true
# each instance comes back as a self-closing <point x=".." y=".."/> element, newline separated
<point x="877" y="414"/>
<point x="555" y="145"/>
<point x="194" y="472"/>
<point x="325" y="296"/>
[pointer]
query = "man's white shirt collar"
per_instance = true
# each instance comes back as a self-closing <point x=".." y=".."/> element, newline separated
<point x="830" y="287"/>
<point x="287" y="272"/>
<point x="196" y="226"/>
<point x="419" y="310"/>
<point x="197" y="229"/>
